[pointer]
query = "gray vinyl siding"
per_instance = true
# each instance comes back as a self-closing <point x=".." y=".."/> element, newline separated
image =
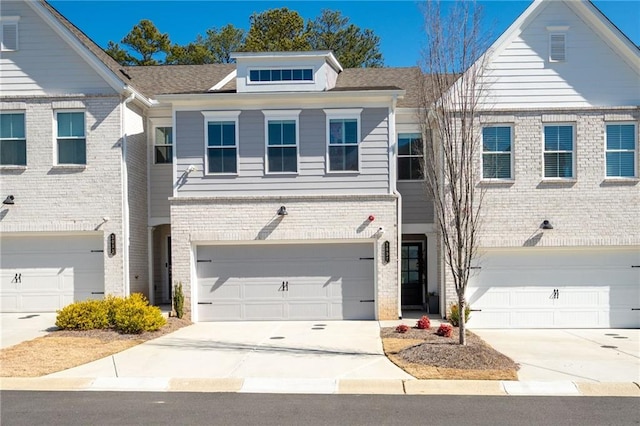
<point x="161" y="188"/>
<point x="44" y="64"/>
<point x="416" y="206"/>
<point x="312" y="178"/>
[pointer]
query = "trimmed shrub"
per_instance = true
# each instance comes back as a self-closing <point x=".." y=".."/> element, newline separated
<point x="86" y="315"/>
<point x="134" y="315"/>
<point x="402" y="328"/>
<point x="424" y="323"/>
<point x="178" y="300"/>
<point x="445" y="330"/>
<point x="454" y="316"/>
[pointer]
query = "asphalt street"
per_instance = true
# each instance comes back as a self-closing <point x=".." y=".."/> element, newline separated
<point x="152" y="408"/>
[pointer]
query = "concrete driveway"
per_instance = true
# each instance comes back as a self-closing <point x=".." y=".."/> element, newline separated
<point x="18" y="328"/>
<point x="602" y="355"/>
<point x="283" y="350"/>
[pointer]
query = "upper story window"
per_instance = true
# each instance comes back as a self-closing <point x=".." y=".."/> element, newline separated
<point x="281" y="129"/>
<point x="558" y="151"/>
<point x="221" y="144"/>
<point x="13" y="143"/>
<point x="410" y="156"/>
<point x="163" y="145"/>
<point x="9" y="33"/>
<point x="496" y="152"/>
<point x="621" y="150"/>
<point x="343" y="139"/>
<point x="71" y="140"/>
<point x="281" y="74"/>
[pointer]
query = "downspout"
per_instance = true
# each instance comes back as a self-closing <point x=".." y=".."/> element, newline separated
<point x="125" y="197"/>
<point x="393" y="177"/>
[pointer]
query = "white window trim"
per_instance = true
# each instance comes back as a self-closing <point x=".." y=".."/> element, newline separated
<point x="155" y="123"/>
<point x="281" y="115"/>
<point x="249" y="82"/>
<point x="635" y="151"/>
<point x="214" y="116"/>
<point x="16" y="166"/>
<point x="511" y="178"/>
<point x="56" y="137"/>
<point x="574" y="173"/>
<point x="402" y="131"/>
<point x="566" y="39"/>
<point x="343" y="114"/>
<point x="9" y="20"/>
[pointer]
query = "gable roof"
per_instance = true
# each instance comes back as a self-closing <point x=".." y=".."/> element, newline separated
<point x="587" y="11"/>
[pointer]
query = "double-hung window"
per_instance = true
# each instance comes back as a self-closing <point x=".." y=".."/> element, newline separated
<point x="13" y="143"/>
<point x="221" y="130"/>
<point x="343" y="138"/>
<point x="496" y="152"/>
<point x="410" y="156"/>
<point x="621" y="150"/>
<point x="558" y="151"/>
<point x="71" y="140"/>
<point x="282" y="141"/>
<point x="163" y="145"/>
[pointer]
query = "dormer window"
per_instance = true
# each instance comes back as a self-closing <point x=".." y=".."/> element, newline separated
<point x="281" y="74"/>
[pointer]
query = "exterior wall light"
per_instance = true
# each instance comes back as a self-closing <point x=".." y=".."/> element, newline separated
<point x="546" y="225"/>
<point x="9" y="200"/>
<point x="282" y="211"/>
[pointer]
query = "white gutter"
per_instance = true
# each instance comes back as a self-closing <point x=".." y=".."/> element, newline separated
<point x="393" y="177"/>
<point x="125" y="196"/>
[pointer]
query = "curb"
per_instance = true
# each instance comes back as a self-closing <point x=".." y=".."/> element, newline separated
<point x="323" y="386"/>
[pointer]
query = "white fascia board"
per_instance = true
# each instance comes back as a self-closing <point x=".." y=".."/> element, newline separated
<point x="116" y="83"/>
<point x="259" y="100"/>
<point x="611" y="34"/>
<point x="219" y="85"/>
<point x="327" y="54"/>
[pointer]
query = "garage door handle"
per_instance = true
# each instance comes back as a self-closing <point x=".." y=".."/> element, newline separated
<point x="635" y="309"/>
<point x="97" y="292"/>
<point x="362" y="301"/>
<point x="205" y="303"/>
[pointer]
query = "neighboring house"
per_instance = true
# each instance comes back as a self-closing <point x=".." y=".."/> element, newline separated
<point x="73" y="160"/>
<point x="286" y="187"/>
<point x="560" y="238"/>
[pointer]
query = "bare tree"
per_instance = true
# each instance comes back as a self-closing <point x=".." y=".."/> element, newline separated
<point x="452" y="94"/>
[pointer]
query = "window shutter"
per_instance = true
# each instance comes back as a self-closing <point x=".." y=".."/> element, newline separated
<point x="557" y="47"/>
<point x="9" y="37"/>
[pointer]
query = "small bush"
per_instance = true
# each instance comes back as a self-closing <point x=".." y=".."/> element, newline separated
<point x="134" y="315"/>
<point x="402" y="328"/>
<point x="445" y="330"/>
<point x="178" y="300"/>
<point x="424" y="323"/>
<point x="454" y="316"/>
<point x="86" y="315"/>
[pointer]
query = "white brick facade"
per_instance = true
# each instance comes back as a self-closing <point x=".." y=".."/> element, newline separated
<point x="311" y="219"/>
<point x="61" y="199"/>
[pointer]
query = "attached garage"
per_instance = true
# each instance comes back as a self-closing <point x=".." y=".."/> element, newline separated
<point x="46" y="273"/>
<point x="556" y="288"/>
<point x="285" y="282"/>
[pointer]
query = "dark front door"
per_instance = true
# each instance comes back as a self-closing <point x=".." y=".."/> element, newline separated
<point x="412" y="275"/>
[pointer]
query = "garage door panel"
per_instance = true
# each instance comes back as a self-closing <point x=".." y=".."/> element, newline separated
<point x="575" y="288"/>
<point x="319" y="277"/>
<point x="53" y="271"/>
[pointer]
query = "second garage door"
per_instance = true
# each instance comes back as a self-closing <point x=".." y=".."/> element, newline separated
<point x="293" y="281"/>
<point x="556" y="288"/>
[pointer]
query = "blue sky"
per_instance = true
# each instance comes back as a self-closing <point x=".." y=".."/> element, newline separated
<point x="398" y="23"/>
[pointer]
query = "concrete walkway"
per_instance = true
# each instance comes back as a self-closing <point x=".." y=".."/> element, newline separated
<point x="18" y="328"/>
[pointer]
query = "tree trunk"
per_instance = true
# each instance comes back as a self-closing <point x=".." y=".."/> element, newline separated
<point x="462" y="307"/>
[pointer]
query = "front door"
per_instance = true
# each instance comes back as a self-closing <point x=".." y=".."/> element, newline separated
<point x="412" y="275"/>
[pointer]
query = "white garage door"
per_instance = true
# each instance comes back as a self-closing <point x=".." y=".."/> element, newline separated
<point x="43" y="274"/>
<point x="556" y="288"/>
<point x="294" y="281"/>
